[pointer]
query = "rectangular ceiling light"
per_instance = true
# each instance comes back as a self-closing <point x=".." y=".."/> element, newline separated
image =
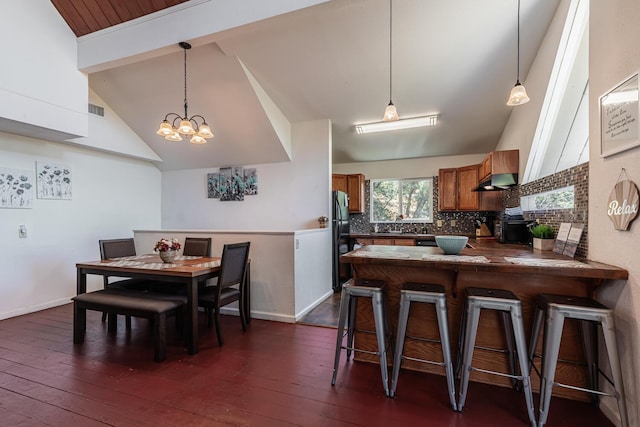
<point x="398" y="124"/>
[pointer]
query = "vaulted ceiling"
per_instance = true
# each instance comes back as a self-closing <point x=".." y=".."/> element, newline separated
<point x="329" y="61"/>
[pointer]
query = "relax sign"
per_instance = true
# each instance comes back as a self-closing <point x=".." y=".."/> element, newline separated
<point x="623" y="204"/>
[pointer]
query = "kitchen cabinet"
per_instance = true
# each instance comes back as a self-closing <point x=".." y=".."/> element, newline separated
<point x="448" y="189"/>
<point x="497" y="162"/>
<point x="353" y="185"/>
<point x="455" y="191"/>
<point x="339" y="182"/>
<point x="355" y="189"/>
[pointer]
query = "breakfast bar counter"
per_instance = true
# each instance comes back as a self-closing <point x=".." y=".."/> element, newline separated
<point x="488" y="264"/>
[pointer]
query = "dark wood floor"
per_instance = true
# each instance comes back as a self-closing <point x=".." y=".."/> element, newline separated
<point x="276" y="374"/>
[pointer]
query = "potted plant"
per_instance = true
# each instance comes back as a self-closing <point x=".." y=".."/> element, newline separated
<point x="543" y="237"/>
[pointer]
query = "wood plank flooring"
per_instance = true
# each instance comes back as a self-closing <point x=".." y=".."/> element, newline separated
<point x="275" y="374"/>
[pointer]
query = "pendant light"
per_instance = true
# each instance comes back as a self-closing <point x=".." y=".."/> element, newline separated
<point x="518" y="94"/>
<point x="186" y="125"/>
<point x="390" y="113"/>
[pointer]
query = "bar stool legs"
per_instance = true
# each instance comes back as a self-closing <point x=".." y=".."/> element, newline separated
<point x="590" y="313"/>
<point x="432" y="294"/>
<point x="350" y="292"/>
<point x="478" y="299"/>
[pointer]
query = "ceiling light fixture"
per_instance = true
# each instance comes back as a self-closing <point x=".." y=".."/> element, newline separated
<point x="397" y="124"/>
<point x="390" y="113"/>
<point x="186" y="125"/>
<point x="518" y="94"/>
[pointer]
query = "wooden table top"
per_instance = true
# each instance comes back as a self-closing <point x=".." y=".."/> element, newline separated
<point x="485" y="256"/>
<point x="188" y="266"/>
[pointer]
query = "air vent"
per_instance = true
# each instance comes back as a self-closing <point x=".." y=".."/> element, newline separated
<point x="96" y="109"/>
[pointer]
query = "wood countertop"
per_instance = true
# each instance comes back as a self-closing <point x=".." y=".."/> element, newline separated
<point x="488" y="256"/>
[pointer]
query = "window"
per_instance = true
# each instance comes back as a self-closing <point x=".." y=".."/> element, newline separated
<point x="410" y="198"/>
<point x="561" y="198"/>
<point x="561" y="140"/>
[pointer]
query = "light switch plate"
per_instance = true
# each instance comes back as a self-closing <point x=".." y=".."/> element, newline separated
<point x="439" y="223"/>
<point x="453" y="222"/>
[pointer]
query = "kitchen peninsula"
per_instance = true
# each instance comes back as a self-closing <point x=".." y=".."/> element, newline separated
<point x="488" y="264"/>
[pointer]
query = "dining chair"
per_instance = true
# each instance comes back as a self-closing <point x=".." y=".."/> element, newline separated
<point x="197" y="246"/>
<point x="231" y="286"/>
<point x="118" y="248"/>
<point x="193" y="246"/>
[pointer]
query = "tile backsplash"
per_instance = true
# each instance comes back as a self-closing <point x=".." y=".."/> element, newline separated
<point x="464" y="221"/>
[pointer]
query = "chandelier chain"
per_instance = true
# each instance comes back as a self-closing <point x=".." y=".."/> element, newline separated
<point x="185" y="84"/>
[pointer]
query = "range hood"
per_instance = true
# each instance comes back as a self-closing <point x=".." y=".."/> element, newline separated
<point x="498" y="182"/>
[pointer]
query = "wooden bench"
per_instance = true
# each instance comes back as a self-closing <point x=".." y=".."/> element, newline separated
<point x="152" y="306"/>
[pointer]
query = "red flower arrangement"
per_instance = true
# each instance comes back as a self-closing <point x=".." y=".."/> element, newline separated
<point x="165" y="245"/>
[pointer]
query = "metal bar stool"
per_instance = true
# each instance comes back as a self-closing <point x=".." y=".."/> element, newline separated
<point x="504" y="301"/>
<point x="590" y="313"/>
<point x="431" y="294"/>
<point x="351" y="291"/>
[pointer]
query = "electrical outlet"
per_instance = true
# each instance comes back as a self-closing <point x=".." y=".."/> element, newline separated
<point x="453" y="222"/>
<point x="297" y="243"/>
<point x="22" y="231"/>
<point x="439" y="223"/>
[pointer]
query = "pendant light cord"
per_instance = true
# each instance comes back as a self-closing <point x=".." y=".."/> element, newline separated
<point x="518" y="69"/>
<point x="390" y="49"/>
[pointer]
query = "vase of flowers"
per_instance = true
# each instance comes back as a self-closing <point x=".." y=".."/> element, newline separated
<point x="167" y="249"/>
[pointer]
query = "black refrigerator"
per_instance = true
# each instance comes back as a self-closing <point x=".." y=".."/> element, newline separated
<point x="340" y="228"/>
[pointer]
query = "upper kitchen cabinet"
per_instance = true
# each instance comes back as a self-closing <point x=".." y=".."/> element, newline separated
<point x="499" y="162"/>
<point x="339" y="182"/>
<point x="353" y="185"/>
<point x="448" y="189"/>
<point x="455" y="191"/>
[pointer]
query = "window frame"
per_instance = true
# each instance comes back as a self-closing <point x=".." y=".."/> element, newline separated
<point x="400" y="181"/>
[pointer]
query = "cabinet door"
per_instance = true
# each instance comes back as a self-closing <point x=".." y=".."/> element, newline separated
<point x="485" y="167"/>
<point x="405" y="242"/>
<point x="355" y="188"/>
<point x="383" y="242"/>
<point x="339" y="182"/>
<point x="447" y="189"/>
<point x="490" y="201"/>
<point x="467" y="181"/>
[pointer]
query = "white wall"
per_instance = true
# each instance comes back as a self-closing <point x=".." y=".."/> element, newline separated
<point x="40" y="84"/>
<point x="111" y="196"/>
<point x="407" y="168"/>
<point x="291" y="196"/>
<point x="613" y="55"/>
<point x="290" y="270"/>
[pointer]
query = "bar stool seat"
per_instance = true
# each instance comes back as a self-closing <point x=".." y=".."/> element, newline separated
<point x="431" y="294"/>
<point x="590" y="313"/>
<point x="507" y="302"/>
<point x="351" y="291"/>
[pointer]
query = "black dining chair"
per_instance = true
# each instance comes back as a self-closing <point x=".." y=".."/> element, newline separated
<point x="118" y="248"/>
<point x="231" y="286"/>
<point x="197" y="246"/>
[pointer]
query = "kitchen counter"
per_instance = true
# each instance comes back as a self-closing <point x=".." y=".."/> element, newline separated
<point x="488" y="264"/>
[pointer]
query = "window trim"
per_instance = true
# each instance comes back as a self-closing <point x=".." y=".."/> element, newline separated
<point x="400" y="180"/>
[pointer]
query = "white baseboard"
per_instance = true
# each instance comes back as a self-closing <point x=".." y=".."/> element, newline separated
<point x="313" y="305"/>
<point x="34" y="308"/>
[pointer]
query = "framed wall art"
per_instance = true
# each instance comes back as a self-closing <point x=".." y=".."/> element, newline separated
<point x="16" y="188"/>
<point x="619" y="118"/>
<point x="53" y="181"/>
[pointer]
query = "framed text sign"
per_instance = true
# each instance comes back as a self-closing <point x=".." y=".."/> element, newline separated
<point x="619" y="117"/>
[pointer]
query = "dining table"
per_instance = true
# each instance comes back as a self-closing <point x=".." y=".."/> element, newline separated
<point x="184" y="271"/>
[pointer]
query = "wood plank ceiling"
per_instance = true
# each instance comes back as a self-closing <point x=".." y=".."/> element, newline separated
<point x="87" y="16"/>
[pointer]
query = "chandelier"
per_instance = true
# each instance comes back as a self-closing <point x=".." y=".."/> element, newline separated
<point x="185" y="125"/>
<point x="518" y="95"/>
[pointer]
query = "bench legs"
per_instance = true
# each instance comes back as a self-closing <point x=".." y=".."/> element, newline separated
<point x="79" y="324"/>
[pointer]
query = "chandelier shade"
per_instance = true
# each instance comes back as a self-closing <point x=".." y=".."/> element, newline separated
<point x="174" y="125"/>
